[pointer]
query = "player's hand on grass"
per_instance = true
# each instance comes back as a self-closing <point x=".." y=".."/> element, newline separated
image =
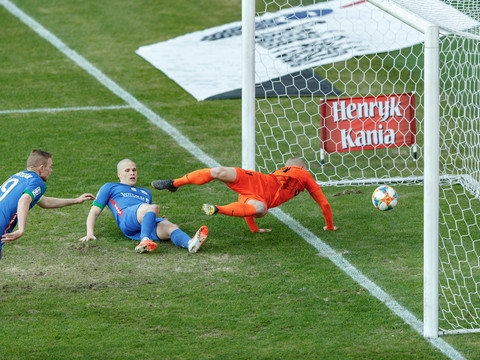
<point x="334" y="228"/>
<point x="11" y="236"/>
<point x="88" y="237"/>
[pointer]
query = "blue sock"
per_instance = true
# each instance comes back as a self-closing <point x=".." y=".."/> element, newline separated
<point x="148" y="224"/>
<point x="180" y="238"/>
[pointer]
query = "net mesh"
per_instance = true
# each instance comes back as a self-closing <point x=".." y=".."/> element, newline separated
<point x="460" y="201"/>
<point x="297" y="33"/>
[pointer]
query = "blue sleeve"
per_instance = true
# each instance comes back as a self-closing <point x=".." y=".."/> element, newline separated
<point x="149" y="196"/>
<point x="35" y="188"/>
<point x="102" y="196"/>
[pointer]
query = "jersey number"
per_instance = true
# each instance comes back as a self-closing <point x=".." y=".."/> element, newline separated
<point x="7" y="187"/>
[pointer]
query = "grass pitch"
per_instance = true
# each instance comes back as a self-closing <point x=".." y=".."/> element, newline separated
<point x="243" y="296"/>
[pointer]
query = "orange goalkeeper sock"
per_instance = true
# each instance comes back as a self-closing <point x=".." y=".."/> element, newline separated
<point x="197" y="177"/>
<point x="237" y="210"/>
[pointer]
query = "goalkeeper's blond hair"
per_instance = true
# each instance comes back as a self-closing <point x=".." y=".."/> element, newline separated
<point x="295" y="161"/>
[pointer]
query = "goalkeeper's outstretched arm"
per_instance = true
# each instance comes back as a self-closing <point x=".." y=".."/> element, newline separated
<point x="253" y="225"/>
<point x="322" y="201"/>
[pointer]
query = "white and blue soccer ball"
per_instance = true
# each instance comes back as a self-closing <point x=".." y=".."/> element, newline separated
<point x="384" y="198"/>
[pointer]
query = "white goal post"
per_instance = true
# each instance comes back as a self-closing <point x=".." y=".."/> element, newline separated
<point x="439" y="76"/>
<point x="431" y="154"/>
<point x="248" y="84"/>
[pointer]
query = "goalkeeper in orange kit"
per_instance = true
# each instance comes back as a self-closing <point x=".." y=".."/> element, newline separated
<point x="257" y="192"/>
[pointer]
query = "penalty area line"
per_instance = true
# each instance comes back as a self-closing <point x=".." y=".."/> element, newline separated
<point x="200" y="155"/>
<point x="75" y="108"/>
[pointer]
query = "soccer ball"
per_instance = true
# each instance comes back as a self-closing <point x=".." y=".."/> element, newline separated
<point x="384" y="198"/>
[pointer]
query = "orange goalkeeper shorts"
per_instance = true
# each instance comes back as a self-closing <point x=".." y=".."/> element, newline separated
<point x="254" y="185"/>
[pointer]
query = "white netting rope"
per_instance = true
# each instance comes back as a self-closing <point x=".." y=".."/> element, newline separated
<point x="291" y="125"/>
<point x="459" y="17"/>
<point x="460" y="203"/>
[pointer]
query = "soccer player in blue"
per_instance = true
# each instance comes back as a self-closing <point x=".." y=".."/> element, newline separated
<point x="25" y="189"/>
<point x="136" y="216"/>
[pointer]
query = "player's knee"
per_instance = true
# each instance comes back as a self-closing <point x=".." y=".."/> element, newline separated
<point x="165" y="228"/>
<point x="261" y="210"/>
<point x="147" y="208"/>
<point x="217" y="172"/>
<point x="224" y="174"/>
<point x="153" y="208"/>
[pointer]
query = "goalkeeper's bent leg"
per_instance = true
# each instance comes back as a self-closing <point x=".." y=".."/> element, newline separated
<point x="237" y="210"/>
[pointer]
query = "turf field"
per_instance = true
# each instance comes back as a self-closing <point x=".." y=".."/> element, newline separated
<point x="80" y="91"/>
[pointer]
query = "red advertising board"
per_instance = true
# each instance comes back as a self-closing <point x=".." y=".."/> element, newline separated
<point x="368" y="122"/>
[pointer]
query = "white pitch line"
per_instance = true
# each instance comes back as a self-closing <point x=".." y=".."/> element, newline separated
<point x="53" y="110"/>
<point x="109" y="84"/>
<point x="184" y="142"/>
<point x="365" y="282"/>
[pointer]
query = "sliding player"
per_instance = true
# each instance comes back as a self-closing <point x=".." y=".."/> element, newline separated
<point x="136" y="216"/>
<point x="257" y="192"/>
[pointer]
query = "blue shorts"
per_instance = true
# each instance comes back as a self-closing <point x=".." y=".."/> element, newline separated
<point x="130" y="226"/>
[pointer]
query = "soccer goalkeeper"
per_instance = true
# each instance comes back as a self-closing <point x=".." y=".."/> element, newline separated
<point x="257" y="192"/>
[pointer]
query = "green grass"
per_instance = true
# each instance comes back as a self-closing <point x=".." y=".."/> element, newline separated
<point x="243" y="296"/>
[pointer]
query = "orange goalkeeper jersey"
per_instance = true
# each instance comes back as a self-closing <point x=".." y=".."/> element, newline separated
<point x="292" y="180"/>
<point x="282" y="185"/>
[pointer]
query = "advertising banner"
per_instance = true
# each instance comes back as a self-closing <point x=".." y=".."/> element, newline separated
<point x="207" y="63"/>
<point x="368" y="122"/>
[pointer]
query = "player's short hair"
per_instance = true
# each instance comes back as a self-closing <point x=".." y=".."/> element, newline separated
<point x="122" y="162"/>
<point x="37" y="158"/>
<point x="295" y="161"/>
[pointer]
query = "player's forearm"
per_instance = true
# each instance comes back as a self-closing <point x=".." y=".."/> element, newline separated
<point x="321" y="200"/>
<point x="53" y="203"/>
<point x="327" y="214"/>
<point x="22" y="212"/>
<point x="252" y="225"/>
<point x="91" y="222"/>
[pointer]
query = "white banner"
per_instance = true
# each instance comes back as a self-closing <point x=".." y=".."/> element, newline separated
<point x="206" y="63"/>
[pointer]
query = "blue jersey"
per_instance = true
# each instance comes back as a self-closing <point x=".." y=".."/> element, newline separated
<point x="124" y="201"/>
<point x="11" y="190"/>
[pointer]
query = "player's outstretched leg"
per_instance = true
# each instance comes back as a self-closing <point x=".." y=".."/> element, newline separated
<point x="197" y="177"/>
<point x="209" y="209"/>
<point x="197" y="241"/>
<point x="164" y="184"/>
<point x="146" y="245"/>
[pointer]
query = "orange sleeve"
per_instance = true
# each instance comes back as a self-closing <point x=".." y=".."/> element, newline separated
<point x="251" y="223"/>
<point x="325" y="206"/>
<point x="298" y="180"/>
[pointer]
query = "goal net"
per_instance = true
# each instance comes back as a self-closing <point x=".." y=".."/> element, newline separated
<point x="459" y="284"/>
<point x="359" y="114"/>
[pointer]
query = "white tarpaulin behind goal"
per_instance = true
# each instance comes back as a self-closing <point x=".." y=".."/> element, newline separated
<point x="207" y="63"/>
